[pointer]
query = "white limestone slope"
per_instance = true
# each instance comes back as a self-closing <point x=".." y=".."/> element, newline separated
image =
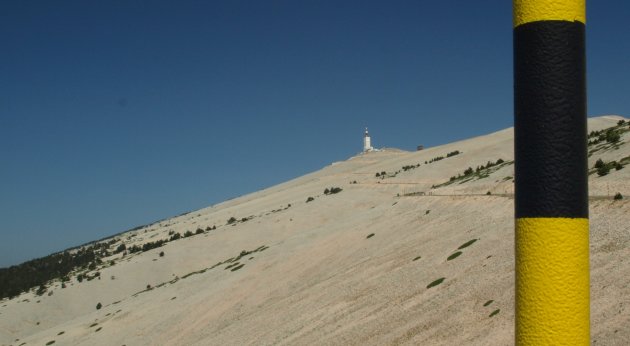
<point x="323" y="278"/>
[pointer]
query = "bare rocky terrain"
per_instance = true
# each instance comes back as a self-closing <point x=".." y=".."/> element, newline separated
<point x="413" y="250"/>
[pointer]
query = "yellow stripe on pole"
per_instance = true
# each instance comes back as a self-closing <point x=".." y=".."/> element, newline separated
<point x="526" y="11"/>
<point x="552" y="279"/>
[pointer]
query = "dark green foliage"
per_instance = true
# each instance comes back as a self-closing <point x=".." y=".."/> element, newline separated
<point x="237" y="267"/>
<point x="488" y="193"/>
<point x="50" y="342"/>
<point x="618" y="166"/>
<point x="20" y="278"/>
<point x="467" y="244"/>
<point x="468" y="171"/>
<point x="488" y="302"/>
<point x="494" y="312"/>
<point x="310" y="199"/>
<point x="612" y="136"/>
<point x="602" y="171"/>
<point x="618" y="196"/>
<point x="120" y="248"/>
<point x="199" y="231"/>
<point x="332" y="191"/>
<point x="435" y="283"/>
<point x="61" y="333"/>
<point x="231" y="220"/>
<point x="599" y="163"/>
<point x="453" y="153"/>
<point x="621" y="122"/>
<point x="435" y="159"/>
<point x="188" y="234"/>
<point x="417" y="258"/>
<point x="175" y="236"/>
<point x="161" y="253"/>
<point x="454" y="256"/>
<point x="369" y="236"/>
<point x="99" y="306"/>
<point x="150" y="245"/>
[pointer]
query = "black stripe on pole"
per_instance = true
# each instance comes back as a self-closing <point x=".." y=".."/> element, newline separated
<point x="550" y="120"/>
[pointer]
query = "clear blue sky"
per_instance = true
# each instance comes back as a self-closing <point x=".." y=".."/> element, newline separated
<point x="114" y="114"/>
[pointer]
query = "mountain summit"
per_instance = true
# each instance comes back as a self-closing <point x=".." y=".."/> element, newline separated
<point x="386" y="248"/>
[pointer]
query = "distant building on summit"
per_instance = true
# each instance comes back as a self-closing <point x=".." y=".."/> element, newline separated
<point x="367" y="143"/>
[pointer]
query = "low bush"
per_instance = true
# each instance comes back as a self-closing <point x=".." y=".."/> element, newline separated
<point x="435" y="283"/>
<point x="618" y="196"/>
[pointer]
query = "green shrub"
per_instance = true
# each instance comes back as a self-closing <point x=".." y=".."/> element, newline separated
<point x="602" y="171"/>
<point x="494" y="312"/>
<point x="488" y="302"/>
<point x="310" y="199"/>
<point x="612" y="136"/>
<point x="198" y="231"/>
<point x="618" y="196"/>
<point x="369" y="236"/>
<point x="435" y="283"/>
<point x="99" y="306"/>
<point x="417" y="258"/>
<point x="161" y="253"/>
<point x="467" y="244"/>
<point x="599" y="163"/>
<point x="231" y="220"/>
<point x="454" y="256"/>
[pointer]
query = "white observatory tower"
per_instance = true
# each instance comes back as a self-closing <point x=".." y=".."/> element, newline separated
<point x="367" y="145"/>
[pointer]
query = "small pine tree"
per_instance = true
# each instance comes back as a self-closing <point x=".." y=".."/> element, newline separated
<point x="599" y="163"/>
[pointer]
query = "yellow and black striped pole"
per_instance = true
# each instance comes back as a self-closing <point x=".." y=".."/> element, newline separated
<point x="551" y="202"/>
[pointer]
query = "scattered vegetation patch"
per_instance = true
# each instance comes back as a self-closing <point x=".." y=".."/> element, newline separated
<point x="454" y="256"/>
<point x="488" y="302"/>
<point x="480" y="172"/>
<point x="467" y="244"/>
<point x="238" y="267"/>
<point x="234" y="265"/>
<point x="417" y="258"/>
<point x="435" y="283"/>
<point x="369" y="236"/>
<point x="494" y="312"/>
<point x="332" y="190"/>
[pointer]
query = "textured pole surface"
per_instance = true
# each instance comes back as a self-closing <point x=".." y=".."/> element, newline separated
<point x="551" y="180"/>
